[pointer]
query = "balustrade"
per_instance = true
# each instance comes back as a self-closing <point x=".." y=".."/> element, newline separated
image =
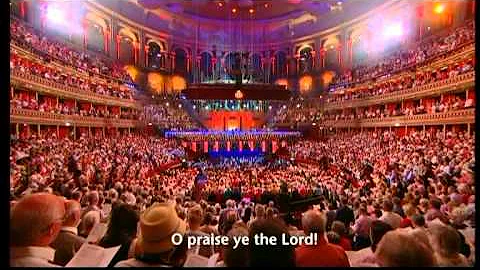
<point x="59" y="89"/>
<point x="37" y="117"/>
<point x="417" y="91"/>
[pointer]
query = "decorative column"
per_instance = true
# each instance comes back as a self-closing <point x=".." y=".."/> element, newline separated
<point x="135" y="49"/>
<point x="350" y="51"/>
<point x="85" y="36"/>
<point x="420" y="10"/>
<point x="43" y="16"/>
<point x="117" y="46"/>
<point x="140" y="49"/>
<point x="106" y="43"/>
<point x="272" y="66"/>
<point x="197" y="69"/>
<point x="297" y="66"/>
<point x="314" y="62"/>
<point x="322" y="55"/>
<point x="112" y="39"/>
<point x="172" y="59"/>
<point x="288" y="63"/>
<point x="22" y="9"/>
<point x="145" y="49"/>
<point x="214" y="64"/>
<point x="339" y="55"/>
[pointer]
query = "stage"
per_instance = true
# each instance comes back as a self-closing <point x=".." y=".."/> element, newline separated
<point x="238" y="142"/>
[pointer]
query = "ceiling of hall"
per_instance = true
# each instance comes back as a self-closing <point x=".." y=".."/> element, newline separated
<point x="241" y="9"/>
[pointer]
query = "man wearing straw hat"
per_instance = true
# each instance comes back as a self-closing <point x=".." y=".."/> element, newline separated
<point x="154" y="246"/>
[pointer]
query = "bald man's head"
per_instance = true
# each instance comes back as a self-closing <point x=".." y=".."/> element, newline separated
<point x="36" y="219"/>
<point x="72" y="213"/>
<point x="314" y="221"/>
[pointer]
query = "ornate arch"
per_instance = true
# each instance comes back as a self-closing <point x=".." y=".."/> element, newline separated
<point x="331" y="41"/>
<point x="159" y="43"/>
<point x="95" y="18"/>
<point x="302" y="47"/>
<point x="127" y="32"/>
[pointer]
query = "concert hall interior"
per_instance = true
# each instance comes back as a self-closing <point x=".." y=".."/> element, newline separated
<point x="139" y="126"/>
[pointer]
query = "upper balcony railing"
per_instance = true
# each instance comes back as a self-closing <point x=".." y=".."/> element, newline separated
<point x="41" y="84"/>
<point x="463" y="80"/>
<point x="47" y="118"/>
<point x="463" y="116"/>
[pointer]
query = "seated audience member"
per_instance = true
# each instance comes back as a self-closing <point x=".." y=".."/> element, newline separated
<point x="194" y="220"/>
<point x="68" y="241"/>
<point x="390" y="217"/>
<point x="324" y="253"/>
<point x="361" y="229"/>
<point x="345" y="213"/>
<point x="418" y="221"/>
<point x="365" y="257"/>
<point x="259" y="214"/>
<point x="35" y="222"/>
<point x="270" y="255"/>
<point x="333" y="238"/>
<point x="447" y="245"/>
<point x="339" y="228"/>
<point x="230" y="205"/>
<point x="88" y="222"/>
<point x="230" y="219"/>
<point x="208" y="226"/>
<point x="434" y="212"/>
<point x="154" y="246"/>
<point x="122" y="230"/>
<point x="409" y="211"/>
<point x="401" y="249"/>
<point x="236" y="257"/>
<point x="247" y="215"/>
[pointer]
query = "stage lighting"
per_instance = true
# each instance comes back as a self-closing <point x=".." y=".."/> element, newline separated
<point x="439" y="8"/>
<point x="167" y="104"/>
<point x="393" y="30"/>
<point x="55" y="14"/>
<point x="149" y="124"/>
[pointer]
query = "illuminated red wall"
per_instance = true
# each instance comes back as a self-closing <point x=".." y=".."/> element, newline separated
<point x="225" y="120"/>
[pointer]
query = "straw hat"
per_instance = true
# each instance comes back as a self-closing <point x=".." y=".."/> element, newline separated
<point x="157" y="225"/>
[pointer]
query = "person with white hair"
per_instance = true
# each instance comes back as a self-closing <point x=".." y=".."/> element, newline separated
<point x="35" y="222"/>
<point x="68" y="241"/>
<point x="399" y="248"/>
<point x="323" y="253"/>
<point x="89" y="221"/>
<point x="446" y="243"/>
<point x="223" y="214"/>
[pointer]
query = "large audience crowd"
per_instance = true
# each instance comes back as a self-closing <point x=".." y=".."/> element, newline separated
<point x="377" y="200"/>
<point x="407" y="57"/>
<point x="301" y="111"/>
<point x="373" y="198"/>
<point x="60" y="78"/>
<point x="169" y="114"/>
<point x="31" y="39"/>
